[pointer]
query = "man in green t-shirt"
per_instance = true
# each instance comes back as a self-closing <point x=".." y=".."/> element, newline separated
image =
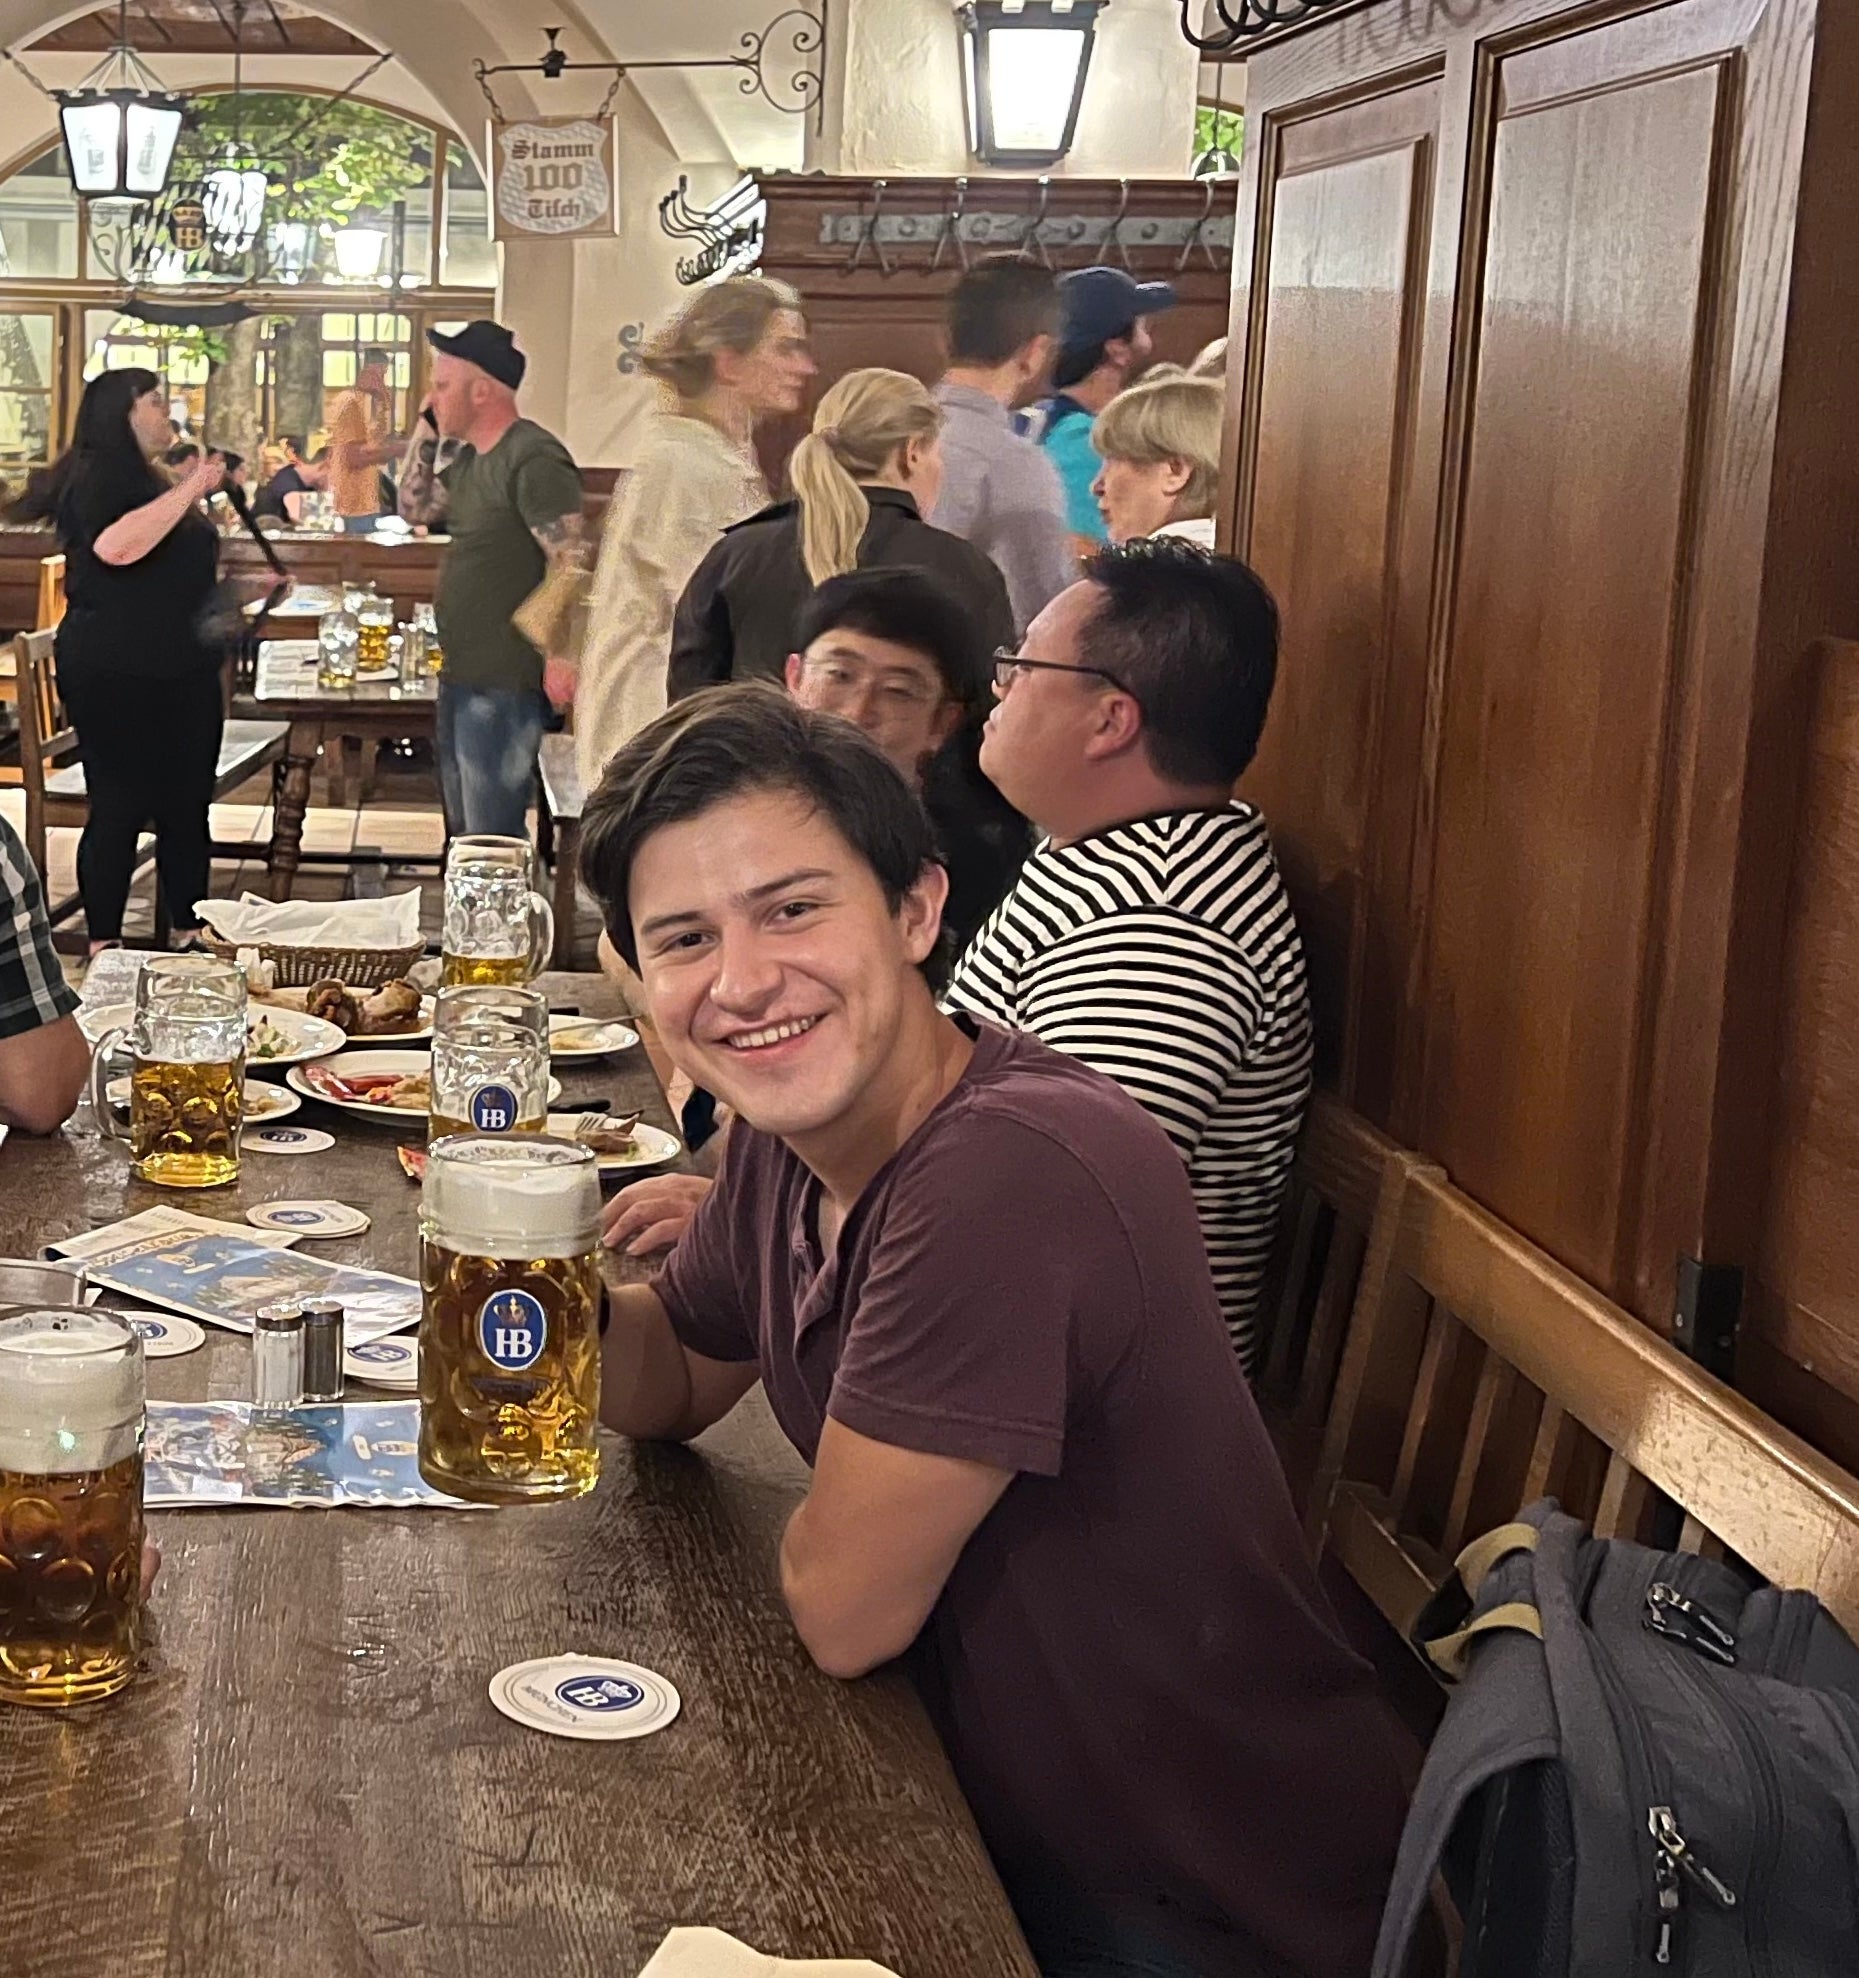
<point x="514" y="508"/>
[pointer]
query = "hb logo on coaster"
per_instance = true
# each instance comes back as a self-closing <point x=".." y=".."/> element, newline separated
<point x="512" y="1329"/>
<point x="493" y="1109"/>
<point x="600" y="1693"/>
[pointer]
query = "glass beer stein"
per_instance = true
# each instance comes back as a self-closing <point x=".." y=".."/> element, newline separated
<point x="374" y="625"/>
<point x="71" y="1407"/>
<point x="490" y="1061"/>
<point x="509" y="1319"/>
<point x="187" y="1073"/>
<point x="498" y="928"/>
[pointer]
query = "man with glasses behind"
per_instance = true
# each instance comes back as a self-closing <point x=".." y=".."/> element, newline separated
<point x="895" y="654"/>
<point x="1150" y="934"/>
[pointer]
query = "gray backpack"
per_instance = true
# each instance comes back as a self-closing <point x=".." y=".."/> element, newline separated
<point x="1650" y="1764"/>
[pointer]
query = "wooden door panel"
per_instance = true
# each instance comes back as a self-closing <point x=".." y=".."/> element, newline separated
<point x="1553" y="772"/>
<point x="1330" y="406"/>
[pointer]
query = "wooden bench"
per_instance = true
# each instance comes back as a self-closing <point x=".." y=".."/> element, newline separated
<point x="1342" y="1170"/>
<point x="1479" y="1374"/>
<point x="559" y="836"/>
<point x="55" y="792"/>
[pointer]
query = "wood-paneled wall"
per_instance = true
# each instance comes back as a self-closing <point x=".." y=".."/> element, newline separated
<point x="1544" y="423"/>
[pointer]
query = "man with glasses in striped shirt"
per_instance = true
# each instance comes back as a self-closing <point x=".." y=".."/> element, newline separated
<point x="1149" y="934"/>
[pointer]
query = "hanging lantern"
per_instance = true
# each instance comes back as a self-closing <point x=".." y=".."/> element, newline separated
<point x="119" y="125"/>
<point x="234" y="202"/>
<point x="1024" y="64"/>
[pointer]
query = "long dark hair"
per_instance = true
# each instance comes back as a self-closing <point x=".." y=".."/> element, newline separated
<point x="104" y="452"/>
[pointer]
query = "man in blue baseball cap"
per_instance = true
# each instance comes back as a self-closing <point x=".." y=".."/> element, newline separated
<point x="1103" y="342"/>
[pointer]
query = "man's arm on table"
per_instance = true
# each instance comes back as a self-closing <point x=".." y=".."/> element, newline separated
<point x="866" y="1556"/>
<point x="652" y="1386"/>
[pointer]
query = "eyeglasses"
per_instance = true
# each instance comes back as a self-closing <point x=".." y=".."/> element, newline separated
<point x="839" y="682"/>
<point x="1008" y="666"/>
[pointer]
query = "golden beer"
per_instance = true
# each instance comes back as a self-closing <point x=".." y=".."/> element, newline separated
<point x="509" y="1319"/>
<point x="439" y="1127"/>
<point x="70" y="1505"/>
<point x="184" y="1122"/>
<point x="484" y="971"/>
<point x="187" y="1073"/>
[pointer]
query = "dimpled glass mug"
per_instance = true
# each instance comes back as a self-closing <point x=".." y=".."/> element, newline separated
<point x="498" y="928"/>
<point x="187" y="1073"/>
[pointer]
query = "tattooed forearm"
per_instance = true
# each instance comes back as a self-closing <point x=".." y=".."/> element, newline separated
<point x="564" y="541"/>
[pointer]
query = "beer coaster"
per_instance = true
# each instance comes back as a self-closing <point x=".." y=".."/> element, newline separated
<point x="308" y="1218"/>
<point x="585" y="1696"/>
<point x="384" y="1363"/>
<point x="165" y="1337"/>
<point x="287" y="1140"/>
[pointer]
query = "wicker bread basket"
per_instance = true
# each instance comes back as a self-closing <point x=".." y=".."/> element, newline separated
<point x="298" y="968"/>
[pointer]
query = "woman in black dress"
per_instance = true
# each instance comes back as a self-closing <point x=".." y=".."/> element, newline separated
<point x="141" y="687"/>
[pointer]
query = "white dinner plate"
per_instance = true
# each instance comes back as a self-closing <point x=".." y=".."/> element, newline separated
<point x="372" y="1063"/>
<point x="421" y="1033"/>
<point x="652" y="1145"/>
<point x="264" y="1102"/>
<point x="588" y="1037"/>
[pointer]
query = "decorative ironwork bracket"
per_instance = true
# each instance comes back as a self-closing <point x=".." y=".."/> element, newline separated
<point x="1242" y="20"/>
<point x="797" y="35"/>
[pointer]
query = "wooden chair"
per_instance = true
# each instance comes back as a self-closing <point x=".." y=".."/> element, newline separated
<point x="1479" y="1374"/>
<point x="51" y="592"/>
<point x="559" y="830"/>
<point x="1344" y="1167"/>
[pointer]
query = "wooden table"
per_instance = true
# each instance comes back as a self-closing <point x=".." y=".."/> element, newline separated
<point x="309" y="1781"/>
<point x="373" y="710"/>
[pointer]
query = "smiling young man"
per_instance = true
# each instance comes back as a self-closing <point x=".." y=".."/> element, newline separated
<point x="968" y="1273"/>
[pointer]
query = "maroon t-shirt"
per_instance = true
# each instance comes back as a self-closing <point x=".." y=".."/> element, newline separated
<point x="1140" y="1685"/>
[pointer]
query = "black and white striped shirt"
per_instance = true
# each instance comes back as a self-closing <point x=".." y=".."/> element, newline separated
<point x="1164" y="954"/>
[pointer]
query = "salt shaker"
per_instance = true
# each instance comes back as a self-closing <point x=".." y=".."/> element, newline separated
<point x="277" y="1359"/>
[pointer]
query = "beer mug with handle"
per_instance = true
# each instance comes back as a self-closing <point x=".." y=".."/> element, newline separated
<point x="509" y="1318"/>
<point x="187" y="1073"/>
<point x="490" y="1061"/>
<point x="71" y="1410"/>
<point x="498" y="928"/>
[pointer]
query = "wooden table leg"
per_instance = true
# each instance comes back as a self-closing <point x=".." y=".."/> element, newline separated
<point x="291" y="801"/>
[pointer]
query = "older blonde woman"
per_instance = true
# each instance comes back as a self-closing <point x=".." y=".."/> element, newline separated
<point x="863" y="479"/>
<point x="1160" y="444"/>
<point x="735" y="355"/>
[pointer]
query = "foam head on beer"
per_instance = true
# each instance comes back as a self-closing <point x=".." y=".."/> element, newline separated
<point x="510" y="1196"/>
<point x="70" y="1392"/>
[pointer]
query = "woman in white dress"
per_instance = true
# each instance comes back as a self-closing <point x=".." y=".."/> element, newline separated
<point x="1160" y="443"/>
<point x="735" y="355"/>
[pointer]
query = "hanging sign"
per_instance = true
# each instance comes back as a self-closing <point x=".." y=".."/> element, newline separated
<point x="555" y="177"/>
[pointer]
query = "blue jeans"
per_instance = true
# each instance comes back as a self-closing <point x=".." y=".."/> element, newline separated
<point x="487" y="738"/>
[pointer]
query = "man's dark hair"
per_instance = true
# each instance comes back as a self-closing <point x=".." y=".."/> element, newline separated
<point x="1072" y="367"/>
<point x="372" y="357"/>
<point x="998" y="307"/>
<point x="736" y="741"/>
<point x="1194" y="637"/>
<point x="909" y="609"/>
<point x="293" y="443"/>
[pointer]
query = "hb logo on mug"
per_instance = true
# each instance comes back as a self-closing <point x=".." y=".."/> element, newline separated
<point x="512" y="1329"/>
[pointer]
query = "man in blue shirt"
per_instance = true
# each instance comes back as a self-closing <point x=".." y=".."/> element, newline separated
<point x="1103" y="342"/>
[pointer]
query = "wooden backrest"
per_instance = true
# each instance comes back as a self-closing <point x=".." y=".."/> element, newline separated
<point x="51" y="591"/>
<point x="43" y="737"/>
<point x="1336" y="1185"/>
<point x="1480" y="1374"/>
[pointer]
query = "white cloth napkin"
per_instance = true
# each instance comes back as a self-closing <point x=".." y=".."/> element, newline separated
<point x="716" y="1954"/>
<point x="393" y="922"/>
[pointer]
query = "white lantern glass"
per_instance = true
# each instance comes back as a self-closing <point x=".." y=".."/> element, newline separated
<point x="358" y="252"/>
<point x="233" y="202"/>
<point x="93" y="130"/>
<point x="1032" y="73"/>
<point x="154" y="128"/>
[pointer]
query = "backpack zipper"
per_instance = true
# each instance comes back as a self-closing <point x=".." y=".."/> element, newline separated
<point x="1671" y="1614"/>
<point x="1647" y="1790"/>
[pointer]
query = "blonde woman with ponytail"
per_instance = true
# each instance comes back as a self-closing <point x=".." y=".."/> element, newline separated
<point x="736" y="354"/>
<point x="863" y="479"/>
